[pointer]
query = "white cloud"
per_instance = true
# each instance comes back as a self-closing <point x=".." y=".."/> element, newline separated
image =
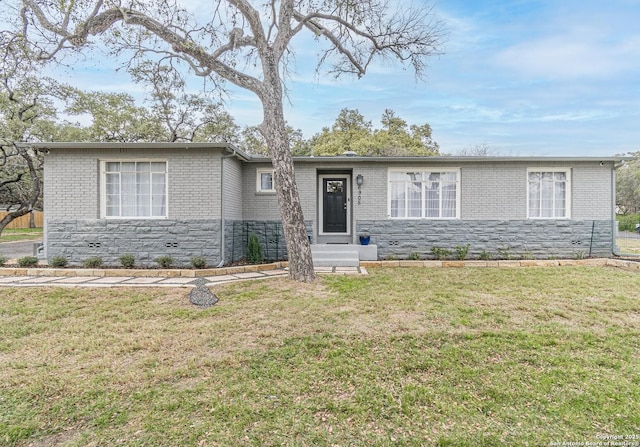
<point x="569" y="57"/>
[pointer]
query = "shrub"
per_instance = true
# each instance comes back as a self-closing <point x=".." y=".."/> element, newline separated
<point x="165" y="261"/>
<point x="628" y="222"/>
<point x="254" y="250"/>
<point x="462" y="251"/>
<point x="127" y="260"/>
<point x="93" y="262"/>
<point x="527" y="254"/>
<point x="505" y="253"/>
<point x="27" y="261"/>
<point x="414" y="256"/>
<point x="440" y="253"/>
<point x="485" y="256"/>
<point x="58" y="261"/>
<point x="3" y="260"/>
<point x="199" y="262"/>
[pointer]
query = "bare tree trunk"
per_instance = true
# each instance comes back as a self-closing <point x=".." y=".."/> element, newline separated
<point x="275" y="133"/>
<point x="10" y="217"/>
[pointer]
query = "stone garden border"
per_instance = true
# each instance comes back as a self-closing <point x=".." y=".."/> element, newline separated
<point x="192" y="273"/>
<point x="163" y="273"/>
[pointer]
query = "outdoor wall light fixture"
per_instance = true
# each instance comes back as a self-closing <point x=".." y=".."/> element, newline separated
<point x="359" y="179"/>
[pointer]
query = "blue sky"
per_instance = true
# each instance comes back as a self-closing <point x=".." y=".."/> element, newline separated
<point x="524" y="77"/>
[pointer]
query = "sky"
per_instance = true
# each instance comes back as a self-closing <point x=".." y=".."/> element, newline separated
<point x="522" y="77"/>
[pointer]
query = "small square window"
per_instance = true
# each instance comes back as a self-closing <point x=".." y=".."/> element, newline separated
<point x="264" y="181"/>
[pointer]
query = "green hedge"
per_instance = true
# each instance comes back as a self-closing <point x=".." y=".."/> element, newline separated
<point x="628" y="222"/>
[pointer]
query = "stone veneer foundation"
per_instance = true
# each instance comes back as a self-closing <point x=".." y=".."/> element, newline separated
<point x="515" y="239"/>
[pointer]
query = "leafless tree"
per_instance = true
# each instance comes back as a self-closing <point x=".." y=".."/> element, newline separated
<point x="247" y="43"/>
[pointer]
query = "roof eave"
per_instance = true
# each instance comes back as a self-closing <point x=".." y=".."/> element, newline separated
<point x="231" y="148"/>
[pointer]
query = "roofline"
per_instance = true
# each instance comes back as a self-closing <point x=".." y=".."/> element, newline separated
<point x="140" y="145"/>
<point x="322" y="159"/>
<point x="444" y="159"/>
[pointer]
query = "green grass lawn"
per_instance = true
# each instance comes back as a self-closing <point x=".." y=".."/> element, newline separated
<point x="23" y="234"/>
<point x="409" y="357"/>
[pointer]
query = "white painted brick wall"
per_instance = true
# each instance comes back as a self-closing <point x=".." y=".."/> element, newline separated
<point x="489" y="191"/>
<point x="72" y="182"/>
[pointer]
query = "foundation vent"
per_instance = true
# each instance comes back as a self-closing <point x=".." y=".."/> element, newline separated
<point x="171" y="244"/>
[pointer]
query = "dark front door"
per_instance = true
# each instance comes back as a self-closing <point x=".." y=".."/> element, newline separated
<point x="334" y="205"/>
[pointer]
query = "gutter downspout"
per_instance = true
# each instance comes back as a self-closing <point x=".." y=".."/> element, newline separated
<point x="614" y="223"/>
<point x="222" y="207"/>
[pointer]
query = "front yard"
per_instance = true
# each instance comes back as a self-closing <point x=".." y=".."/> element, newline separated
<point x="400" y="357"/>
<point x="23" y="234"/>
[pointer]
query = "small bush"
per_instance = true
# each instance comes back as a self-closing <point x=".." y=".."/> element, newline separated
<point x="3" y="260"/>
<point x="93" y="262"/>
<point x="127" y="260"/>
<point x="199" y="262"/>
<point x="28" y="261"/>
<point x="485" y="256"/>
<point x="165" y="261"/>
<point x="462" y="251"/>
<point x="254" y="250"/>
<point x="527" y="254"/>
<point x="59" y="261"/>
<point x="440" y="253"/>
<point x="414" y="256"/>
<point x="628" y="222"/>
<point x="505" y="253"/>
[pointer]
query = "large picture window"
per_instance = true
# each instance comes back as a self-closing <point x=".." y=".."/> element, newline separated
<point x="548" y="193"/>
<point x="424" y="194"/>
<point x="134" y="188"/>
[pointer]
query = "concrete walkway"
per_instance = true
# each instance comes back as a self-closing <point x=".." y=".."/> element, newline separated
<point x="157" y="281"/>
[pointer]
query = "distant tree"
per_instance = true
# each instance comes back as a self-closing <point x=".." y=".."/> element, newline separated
<point x="114" y="118"/>
<point x="351" y="132"/>
<point x="396" y="139"/>
<point x="628" y="186"/>
<point x="476" y="150"/>
<point x="26" y="115"/>
<point x="183" y="116"/>
<point x="253" y="141"/>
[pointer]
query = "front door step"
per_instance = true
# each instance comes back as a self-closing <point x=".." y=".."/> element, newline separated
<point x="339" y="255"/>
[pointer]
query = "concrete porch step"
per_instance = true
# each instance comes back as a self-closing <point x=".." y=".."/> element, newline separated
<point x="335" y="255"/>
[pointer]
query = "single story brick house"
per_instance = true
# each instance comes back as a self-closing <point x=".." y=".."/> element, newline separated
<point x="203" y="199"/>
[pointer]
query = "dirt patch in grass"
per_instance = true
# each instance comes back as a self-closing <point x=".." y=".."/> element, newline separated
<point x="402" y="356"/>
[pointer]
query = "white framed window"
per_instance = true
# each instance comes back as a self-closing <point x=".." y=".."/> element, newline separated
<point x="548" y="193"/>
<point x="424" y="194"/>
<point x="264" y="181"/>
<point x="135" y="189"/>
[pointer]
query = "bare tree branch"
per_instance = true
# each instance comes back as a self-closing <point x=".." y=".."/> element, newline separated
<point x="13" y="180"/>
